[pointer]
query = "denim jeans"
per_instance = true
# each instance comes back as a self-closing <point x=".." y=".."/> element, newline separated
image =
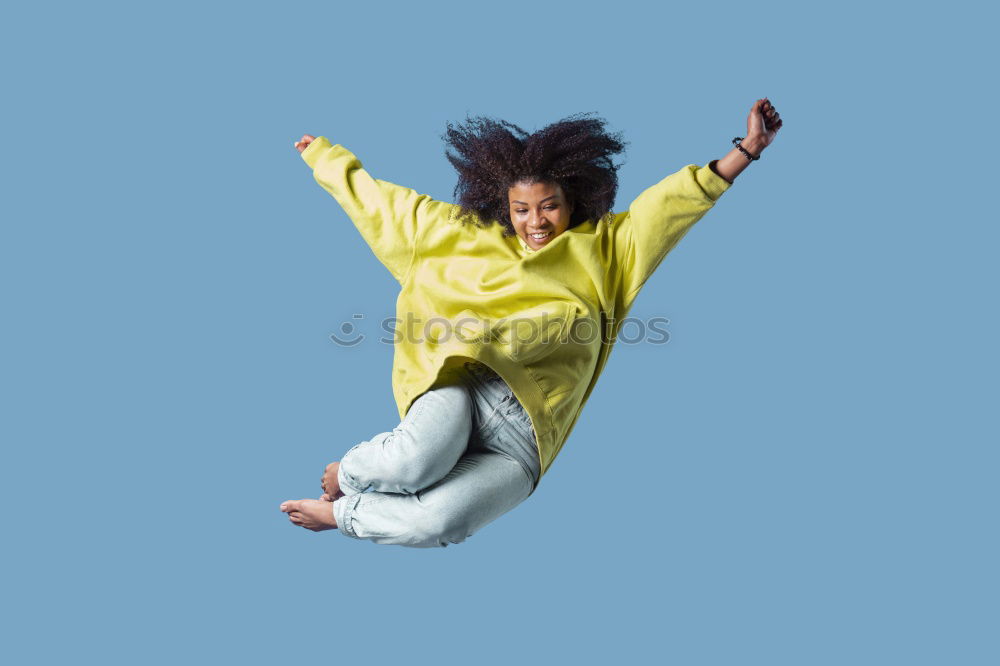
<point x="464" y="455"/>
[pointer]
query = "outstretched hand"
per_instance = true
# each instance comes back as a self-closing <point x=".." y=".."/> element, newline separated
<point x="763" y="122"/>
<point x="304" y="142"/>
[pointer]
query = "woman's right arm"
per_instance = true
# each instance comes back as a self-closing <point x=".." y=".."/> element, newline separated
<point x="390" y="217"/>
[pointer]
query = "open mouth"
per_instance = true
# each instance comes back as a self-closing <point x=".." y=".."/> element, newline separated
<point x="540" y="236"/>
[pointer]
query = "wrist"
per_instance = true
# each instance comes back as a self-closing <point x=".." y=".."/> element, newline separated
<point x="754" y="144"/>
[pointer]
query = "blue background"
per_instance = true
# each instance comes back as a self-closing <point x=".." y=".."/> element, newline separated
<point x="805" y="474"/>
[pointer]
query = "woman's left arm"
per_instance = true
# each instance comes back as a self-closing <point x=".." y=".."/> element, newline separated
<point x="762" y="126"/>
<point x="660" y="217"/>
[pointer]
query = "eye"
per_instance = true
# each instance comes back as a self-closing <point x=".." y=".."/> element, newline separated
<point x="520" y="210"/>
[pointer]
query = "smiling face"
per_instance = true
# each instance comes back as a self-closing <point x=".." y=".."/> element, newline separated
<point x="538" y="208"/>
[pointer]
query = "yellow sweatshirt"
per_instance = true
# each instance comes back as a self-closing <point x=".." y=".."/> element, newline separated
<point x="544" y="320"/>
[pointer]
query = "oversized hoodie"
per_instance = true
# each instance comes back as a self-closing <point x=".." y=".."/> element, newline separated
<point x="544" y="320"/>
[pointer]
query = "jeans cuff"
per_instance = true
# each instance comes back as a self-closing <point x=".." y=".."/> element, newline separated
<point x="348" y="484"/>
<point x="343" y="513"/>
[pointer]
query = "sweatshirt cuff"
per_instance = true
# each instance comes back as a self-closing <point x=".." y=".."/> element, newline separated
<point x="712" y="183"/>
<point x="312" y="152"/>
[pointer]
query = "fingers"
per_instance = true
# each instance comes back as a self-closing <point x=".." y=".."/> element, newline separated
<point x="304" y="142"/>
<point x="772" y="119"/>
<point x="771" y="113"/>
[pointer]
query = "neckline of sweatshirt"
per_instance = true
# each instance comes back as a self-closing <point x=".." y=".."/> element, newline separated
<point x="524" y="246"/>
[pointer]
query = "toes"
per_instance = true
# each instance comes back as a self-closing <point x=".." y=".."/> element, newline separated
<point x="290" y="505"/>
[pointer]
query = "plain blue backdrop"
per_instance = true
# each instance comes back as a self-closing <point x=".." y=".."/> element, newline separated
<point x="805" y="474"/>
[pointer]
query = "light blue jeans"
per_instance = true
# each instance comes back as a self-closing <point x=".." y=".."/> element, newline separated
<point x="464" y="455"/>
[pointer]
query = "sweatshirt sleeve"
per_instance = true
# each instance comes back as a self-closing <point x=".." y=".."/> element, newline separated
<point x="658" y="219"/>
<point x="390" y="218"/>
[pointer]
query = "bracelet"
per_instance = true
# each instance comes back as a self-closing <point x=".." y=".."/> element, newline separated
<point x="736" y="142"/>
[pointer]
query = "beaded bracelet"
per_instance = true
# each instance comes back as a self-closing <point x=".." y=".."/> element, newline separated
<point x="736" y="142"/>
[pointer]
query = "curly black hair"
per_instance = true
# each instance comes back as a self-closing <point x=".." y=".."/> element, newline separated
<point x="492" y="155"/>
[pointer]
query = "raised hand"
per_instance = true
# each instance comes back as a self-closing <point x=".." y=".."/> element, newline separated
<point x="763" y="123"/>
<point x="304" y="142"/>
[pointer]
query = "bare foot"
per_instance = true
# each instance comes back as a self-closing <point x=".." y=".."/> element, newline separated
<point x="330" y="483"/>
<point x="315" y="515"/>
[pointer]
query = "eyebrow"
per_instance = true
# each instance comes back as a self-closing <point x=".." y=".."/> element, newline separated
<point x="524" y="203"/>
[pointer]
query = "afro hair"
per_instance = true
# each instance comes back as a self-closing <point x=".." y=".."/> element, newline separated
<point x="492" y="155"/>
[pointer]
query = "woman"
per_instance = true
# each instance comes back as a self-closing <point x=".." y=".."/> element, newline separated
<point x="526" y="281"/>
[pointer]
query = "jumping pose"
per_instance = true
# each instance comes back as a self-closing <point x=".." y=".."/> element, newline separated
<point x="511" y="301"/>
